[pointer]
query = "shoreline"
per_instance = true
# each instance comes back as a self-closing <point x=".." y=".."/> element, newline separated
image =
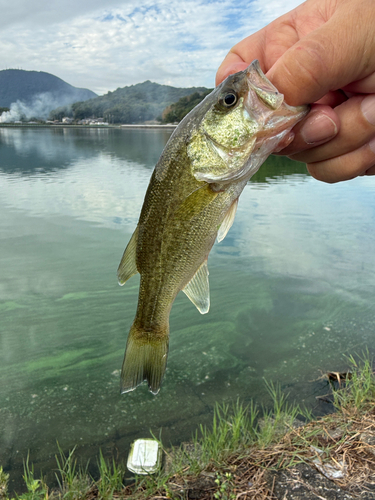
<point x="168" y="126"/>
<point x="245" y="455"/>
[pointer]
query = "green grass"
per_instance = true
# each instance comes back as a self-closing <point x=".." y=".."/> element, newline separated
<point x="74" y="481"/>
<point x="359" y="389"/>
<point x="36" y="488"/>
<point x="4" y="479"/>
<point x="232" y="430"/>
<point x="280" y="419"/>
<point x="111" y="477"/>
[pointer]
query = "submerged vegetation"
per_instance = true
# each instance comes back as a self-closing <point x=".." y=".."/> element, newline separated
<point x="247" y="453"/>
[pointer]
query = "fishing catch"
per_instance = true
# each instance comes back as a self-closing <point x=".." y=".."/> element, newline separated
<point x="191" y="201"/>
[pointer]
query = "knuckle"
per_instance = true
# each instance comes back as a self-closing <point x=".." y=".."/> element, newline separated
<point x="323" y="175"/>
<point x="309" y="67"/>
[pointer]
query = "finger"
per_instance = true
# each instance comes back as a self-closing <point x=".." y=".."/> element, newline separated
<point x="241" y="55"/>
<point x="231" y="64"/>
<point x="364" y="86"/>
<point x="266" y="45"/>
<point x="319" y="62"/>
<point x="320" y="126"/>
<point x="345" y="167"/>
<point x="357" y="127"/>
<point x="370" y="171"/>
<point x="333" y="98"/>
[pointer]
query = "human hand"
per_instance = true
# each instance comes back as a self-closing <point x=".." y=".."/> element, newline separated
<point x="322" y="52"/>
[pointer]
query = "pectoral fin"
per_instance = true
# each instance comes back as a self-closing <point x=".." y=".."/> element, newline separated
<point x="227" y="221"/>
<point x="128" y="267"/>
<point x="198" y="289"/>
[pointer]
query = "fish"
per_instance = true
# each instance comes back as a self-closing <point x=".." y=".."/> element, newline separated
<point x="191" y="201"/>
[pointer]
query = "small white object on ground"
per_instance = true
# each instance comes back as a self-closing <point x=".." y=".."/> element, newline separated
<point x="144" y="457"/>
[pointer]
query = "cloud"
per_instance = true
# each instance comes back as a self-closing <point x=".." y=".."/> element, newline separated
<point x="41" y="13"/>
<point x="102" y="48"/>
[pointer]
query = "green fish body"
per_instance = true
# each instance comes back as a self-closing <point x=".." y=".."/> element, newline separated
<point x="190" y="202"/>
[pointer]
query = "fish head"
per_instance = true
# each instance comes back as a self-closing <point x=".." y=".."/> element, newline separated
<point x="245" y="119"/>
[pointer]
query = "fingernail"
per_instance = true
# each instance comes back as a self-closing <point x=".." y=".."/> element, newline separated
<point x="318" y="128"/>
<point x="368" y="108"/>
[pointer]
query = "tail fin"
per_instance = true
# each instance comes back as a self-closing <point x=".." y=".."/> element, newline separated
<point x="145" y="359"/>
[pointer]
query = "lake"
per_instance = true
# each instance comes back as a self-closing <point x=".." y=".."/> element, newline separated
<point x="292" y="293"/>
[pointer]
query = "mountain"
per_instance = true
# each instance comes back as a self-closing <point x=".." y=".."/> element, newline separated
<point x="134" y="104"/>
<point x="21" y="85"/>
<point x="36" y="93"/>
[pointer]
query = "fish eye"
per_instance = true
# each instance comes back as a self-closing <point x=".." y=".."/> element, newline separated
<point x="230" y="99"/>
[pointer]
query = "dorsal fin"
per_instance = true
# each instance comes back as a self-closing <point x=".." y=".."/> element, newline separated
<point x="198" y="289"/>
<point x="128" y="267"/>
<point x="227" y="221"/>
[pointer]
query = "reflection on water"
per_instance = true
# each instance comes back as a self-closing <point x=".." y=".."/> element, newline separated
<point x="31" y="151"/>
<point x="292" y="288"/>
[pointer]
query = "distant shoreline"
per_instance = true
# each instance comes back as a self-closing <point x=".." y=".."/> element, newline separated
<point x="64" y="125"/>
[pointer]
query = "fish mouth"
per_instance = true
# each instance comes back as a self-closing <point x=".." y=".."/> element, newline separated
<point x="293" y="113"/>
<point x="266" y="104"/>
<point x="285" y="118"/>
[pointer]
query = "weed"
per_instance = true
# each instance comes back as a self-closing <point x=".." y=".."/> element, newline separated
<point x="4" y="479"/>
<point x="150" y="486"/>
<point x="276" y="422"/>
<point x="359" y="388"/>
<point x="111" y="476"/>
<point x="36" y="488"/>
<point x="224" y="484"/>
<point x="232" y="431"/>
<point x="73" y="481"/>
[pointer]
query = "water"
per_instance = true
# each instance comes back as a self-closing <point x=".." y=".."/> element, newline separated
<point x="292" y="292"/>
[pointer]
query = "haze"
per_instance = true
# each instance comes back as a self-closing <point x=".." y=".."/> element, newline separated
<point x="103" y="46"/>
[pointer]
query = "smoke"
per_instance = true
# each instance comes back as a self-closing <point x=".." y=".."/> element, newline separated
<point x="38" y="108"/>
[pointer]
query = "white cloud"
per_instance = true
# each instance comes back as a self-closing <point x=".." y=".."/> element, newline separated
<point x="170" y="42"/>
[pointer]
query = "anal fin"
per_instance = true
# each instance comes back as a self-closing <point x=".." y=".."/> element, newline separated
<point x="198" y="289"/>
<point x="128" y="267"/>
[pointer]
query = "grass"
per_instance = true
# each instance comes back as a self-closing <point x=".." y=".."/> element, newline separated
<point x="73" y="480"/>
<point x="230" y="459"/>
<point x="359" y="389"/>
<point x="232" y="430"/>
<point x="111" y="477"/>
<point x="4" y="479"/>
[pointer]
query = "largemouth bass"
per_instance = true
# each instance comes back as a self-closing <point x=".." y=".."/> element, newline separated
<point x="191" y="201"/>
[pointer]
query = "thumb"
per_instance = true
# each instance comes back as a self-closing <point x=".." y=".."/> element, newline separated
<point x="328" y="58"/>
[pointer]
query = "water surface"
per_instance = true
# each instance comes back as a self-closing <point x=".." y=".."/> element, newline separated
<point x="292" y="292"/>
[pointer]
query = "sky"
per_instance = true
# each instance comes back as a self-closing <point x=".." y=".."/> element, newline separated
<point x="105" y="45"/>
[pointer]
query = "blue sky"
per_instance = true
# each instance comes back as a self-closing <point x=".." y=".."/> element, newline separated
<point x="106" y="45"/>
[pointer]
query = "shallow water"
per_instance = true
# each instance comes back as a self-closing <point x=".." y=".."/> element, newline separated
<point x="292" y="292"/>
